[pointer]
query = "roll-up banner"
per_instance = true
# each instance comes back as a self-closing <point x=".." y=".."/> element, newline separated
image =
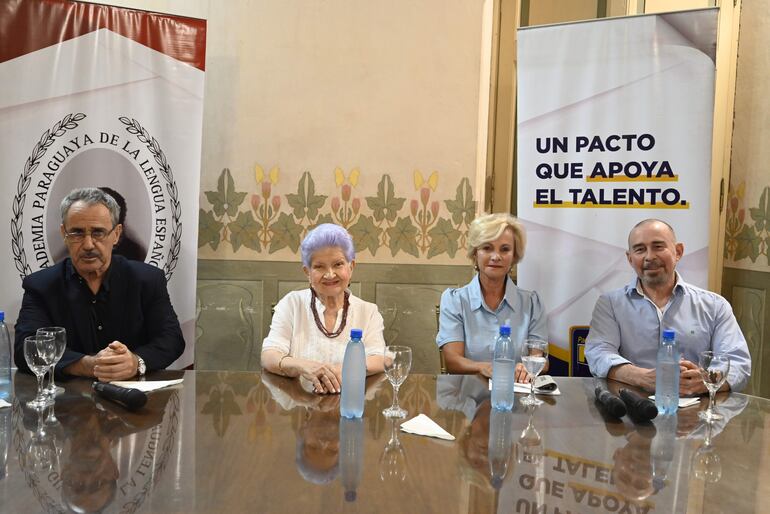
<point x="99" y="96"/>
<point x="614" y="126"/>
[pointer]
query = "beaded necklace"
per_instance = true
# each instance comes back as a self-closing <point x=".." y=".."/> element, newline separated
<point x="321" y="327"/>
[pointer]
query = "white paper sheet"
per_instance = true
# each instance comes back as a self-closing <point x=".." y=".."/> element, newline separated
<point x="148" y="385"/>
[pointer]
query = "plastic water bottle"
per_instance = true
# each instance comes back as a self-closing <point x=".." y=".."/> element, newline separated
<point x="5" y="360"/>
<point x="667" y="374"/>
<point x="500" y="424"/>
<point x="503" y="368"/>
<point x="353" y="376"/>
<point x="351" y="455"/>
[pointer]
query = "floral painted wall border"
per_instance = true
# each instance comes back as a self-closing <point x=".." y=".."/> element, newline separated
<point x="747" y="239"/>
<point x="268" y="220"/>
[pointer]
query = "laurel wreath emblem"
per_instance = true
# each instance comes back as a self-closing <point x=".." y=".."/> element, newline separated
<point x="135" y="128"/>
<point x="59" y="128"/>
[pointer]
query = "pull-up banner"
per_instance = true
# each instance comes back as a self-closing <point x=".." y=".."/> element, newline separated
<point x="614" y="126"/>
<point x="99" y="96"/>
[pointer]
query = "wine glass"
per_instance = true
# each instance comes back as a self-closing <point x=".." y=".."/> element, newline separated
<point x="60" y="341"/>
<point x="39" y="352"/>
<point x="393" y="458"/>
<point x="714" y="368"/>
<point x="398" y="361"/>
<point x="534" y="353"/>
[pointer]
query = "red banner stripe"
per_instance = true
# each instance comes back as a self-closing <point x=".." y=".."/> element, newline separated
<point x="30" y="25"/>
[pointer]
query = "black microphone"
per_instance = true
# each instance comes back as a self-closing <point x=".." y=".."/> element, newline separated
<point x="639" y="408"/>
<point x="612" y="405"/>
<point x="131" y="399"/>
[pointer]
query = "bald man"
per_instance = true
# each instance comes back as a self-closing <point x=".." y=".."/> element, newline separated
<point x="627" y="323"/>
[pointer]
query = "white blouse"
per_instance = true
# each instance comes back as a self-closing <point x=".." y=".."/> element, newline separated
<point x="293" y="330"/>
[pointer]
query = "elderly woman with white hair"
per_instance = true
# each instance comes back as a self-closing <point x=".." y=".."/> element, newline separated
<point x="310" y="328"/>
<point x="471" y="315"/>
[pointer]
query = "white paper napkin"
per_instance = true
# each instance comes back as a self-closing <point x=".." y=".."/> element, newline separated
<point x="519" y="387"/>
<point x="4" y="404"/>
<point x="683" y="401"/>
<point x="423" y="425"/>
<point x="148" y="385"/>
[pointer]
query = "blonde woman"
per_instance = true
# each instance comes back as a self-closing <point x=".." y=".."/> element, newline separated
<point x="471" y="315"/>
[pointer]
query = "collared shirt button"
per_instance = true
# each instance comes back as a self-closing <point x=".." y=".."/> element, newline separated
<point x="99" y="327"/>
<point x="93" y="300"/>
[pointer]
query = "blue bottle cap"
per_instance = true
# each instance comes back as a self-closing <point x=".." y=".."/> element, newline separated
<point x="2" y="316"/>
<point x="669" y="334"/>
<point x="505" y="330"/>
<point x="356" y="333"/>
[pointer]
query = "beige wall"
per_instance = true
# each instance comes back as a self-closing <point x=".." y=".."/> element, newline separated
<point x="545" y="12"/>
<point x="656" y="6"/>
<point x="367" y="113"/>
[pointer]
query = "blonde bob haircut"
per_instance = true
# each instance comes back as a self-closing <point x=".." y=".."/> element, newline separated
<point x="489" y="227"/>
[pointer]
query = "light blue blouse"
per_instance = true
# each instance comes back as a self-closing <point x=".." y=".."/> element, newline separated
<point x="465" y="318"/>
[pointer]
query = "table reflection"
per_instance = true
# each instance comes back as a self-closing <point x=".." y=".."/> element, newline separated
<point x="83" y="454"/>
<point x="238" y="441"/>
<point x="393" y="462"/>
<point x="529" y="446"/>
<point x="499" y="446"/>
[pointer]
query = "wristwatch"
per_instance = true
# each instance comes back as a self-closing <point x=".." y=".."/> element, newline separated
<point x="141" y="367"/>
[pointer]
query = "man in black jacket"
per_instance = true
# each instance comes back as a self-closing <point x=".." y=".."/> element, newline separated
<point x="117" y="313"/>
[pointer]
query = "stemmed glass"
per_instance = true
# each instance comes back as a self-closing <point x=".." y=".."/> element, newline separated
<point x="534" y="353"/>
<point x="60" y="341"/>
<point x="39" y="352"/>
<point x="393" y="458"/>
<point x="398" y="361"/>
<point x="713" y="369"/>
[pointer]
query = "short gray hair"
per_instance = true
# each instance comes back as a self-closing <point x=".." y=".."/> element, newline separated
<point x="90" y="196"/>
<point x="327" y="235"/>
<point x="489" y="227"/>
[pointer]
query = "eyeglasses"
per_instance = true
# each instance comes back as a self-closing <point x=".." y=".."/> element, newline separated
<point x="98" y="234"/>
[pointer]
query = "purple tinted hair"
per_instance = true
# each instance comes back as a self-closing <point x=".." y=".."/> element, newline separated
<point x="324" y="236"/>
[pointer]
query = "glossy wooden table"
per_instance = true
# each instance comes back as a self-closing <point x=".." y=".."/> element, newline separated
<point x="245" y="442"/>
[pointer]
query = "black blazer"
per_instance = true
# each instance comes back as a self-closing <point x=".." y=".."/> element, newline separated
<point x="138" y="312"/>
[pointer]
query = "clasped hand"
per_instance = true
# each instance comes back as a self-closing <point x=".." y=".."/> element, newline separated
<point x="690" y="380"/>
<point x="116" y="362"/>
<point x="326" y="379"/>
